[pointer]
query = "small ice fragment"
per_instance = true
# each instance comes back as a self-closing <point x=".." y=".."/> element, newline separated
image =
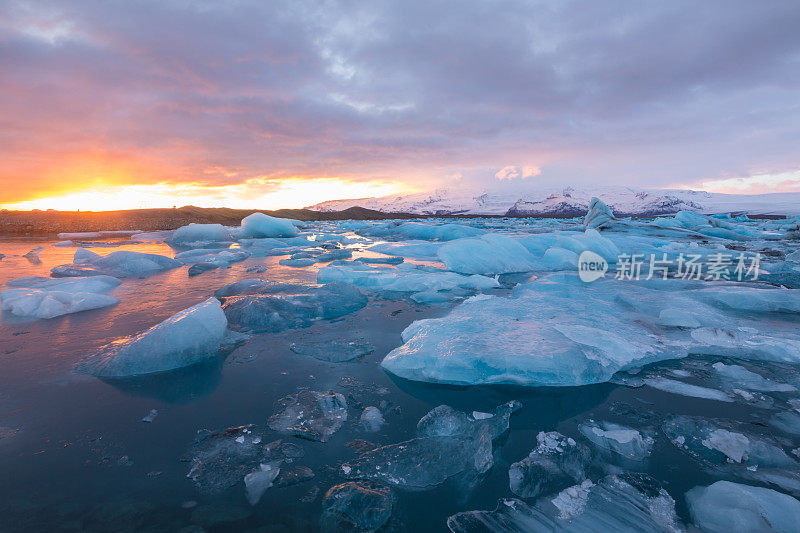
<point x="150" y="416"/>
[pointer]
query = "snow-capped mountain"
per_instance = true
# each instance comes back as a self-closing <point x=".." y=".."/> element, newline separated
<point x="624" y="201"/>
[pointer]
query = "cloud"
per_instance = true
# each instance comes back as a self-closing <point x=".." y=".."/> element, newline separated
<point x="221" y="92"/>
<point x="511" y="172"/>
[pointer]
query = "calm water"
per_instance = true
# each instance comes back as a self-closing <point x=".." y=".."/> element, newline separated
<point x="76" y="455"/>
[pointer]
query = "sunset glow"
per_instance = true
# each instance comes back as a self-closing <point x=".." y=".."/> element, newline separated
<point x="287" y="193"/>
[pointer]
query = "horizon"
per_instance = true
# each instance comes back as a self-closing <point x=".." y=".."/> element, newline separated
<point x="243" y="105"/>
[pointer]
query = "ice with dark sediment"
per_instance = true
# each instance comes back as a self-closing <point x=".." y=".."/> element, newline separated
<point x="359" y="506"/>
<point x="628" y="502"/>
<point x="292" y="309"/>
<point x="449" y="443"/>
<point x="221" y="460"/>
<point x="312" y="415"/>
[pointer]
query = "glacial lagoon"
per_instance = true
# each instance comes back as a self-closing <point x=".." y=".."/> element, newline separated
<point x="403" y="375"/>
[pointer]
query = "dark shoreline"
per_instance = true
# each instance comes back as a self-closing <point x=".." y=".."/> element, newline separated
<point x="40" y="223"/>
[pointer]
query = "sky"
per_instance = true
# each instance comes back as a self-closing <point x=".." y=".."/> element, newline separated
<point x="107" y="104"/>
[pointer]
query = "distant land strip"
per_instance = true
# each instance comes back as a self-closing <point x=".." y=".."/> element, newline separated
<point x="23" y="223"/>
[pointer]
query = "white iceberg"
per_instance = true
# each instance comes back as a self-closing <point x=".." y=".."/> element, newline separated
<point x="259" y="225"/>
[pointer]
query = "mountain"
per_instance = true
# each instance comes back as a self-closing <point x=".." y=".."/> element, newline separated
<point x="624" y="201"/>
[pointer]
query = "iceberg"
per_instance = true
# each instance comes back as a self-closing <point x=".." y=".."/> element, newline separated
<point x="39" y="297"/>
<point x="121" y="264"/>
<point x="724" y="507"/>
<point x="599" y="215"/>
<point x="200" y="233"/>
<point x="259" y="225"/>
<point x="333" y="350"/>
<point x="551" y="333"/>
<point x="404" y="278"/>
<point x="35" y="303"/>
<point x="186" y="338"/>
<point x="489" y="255"/>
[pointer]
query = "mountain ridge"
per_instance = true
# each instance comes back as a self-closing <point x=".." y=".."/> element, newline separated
<point x="569" y="201"/>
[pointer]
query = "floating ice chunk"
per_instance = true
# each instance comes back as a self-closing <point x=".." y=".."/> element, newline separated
<point x="333" y="350"/>
<point x="489" y="255"/>
<point x="371" y="419"/>
<point x="356" y="506"/>
<point x="677" y="318"/>
<point x="221" y="460"/>
<point x="625" y="441"/>
<point x="413" y="249"/>
<point x="84" y="235"/>
<point x="96" y="284"/>
<point x="200" y="233"/>
<point x="685" y="389"/>
<point x="122" y="264"/>
<point x="184" y="339"/>
<point x="444" y="421"/>
<point x="35" y="303"/>
<point x="334" y="255"/>
<point x="256" y="286"/>
<point x="259" y="225"/>
<point x="420" y="231"/>
<point x="33" y="255"/>
<point x="742" y="377"/>
<point x="747" y="343"/>
<point x="451" y="443"/>
<point x="299" y="309"/>
<point x="391" y="260"/>
<point x="749" y="299"/>
<point x="309" y="414"/>
<point x="551" y="332"/>
<point x="259" y="480"/>
<point x="150" y="416"/>
<point x="296" y="262"/>
<point x="620" y="503"/>
<point x="422" y="462"/>
<point x="724" y="507"/>
<point x="715" y="445"/>
<point x="788" y="422"/>
<point x="405" y="278"/>
<point x="555" y="464"/>
<point x="733" y="445"/>
<point x="215" y="256"/>
<point x="599" y="215"/>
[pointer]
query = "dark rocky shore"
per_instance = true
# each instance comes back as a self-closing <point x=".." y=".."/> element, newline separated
<point x="52" y="222"/>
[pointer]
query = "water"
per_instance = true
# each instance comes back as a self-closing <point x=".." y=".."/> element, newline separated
<point x="78" y="457"/>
